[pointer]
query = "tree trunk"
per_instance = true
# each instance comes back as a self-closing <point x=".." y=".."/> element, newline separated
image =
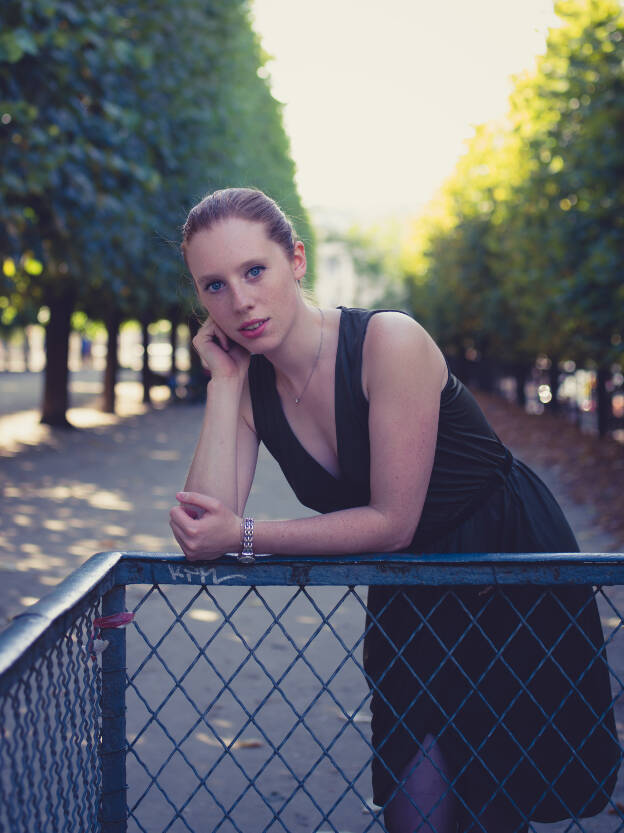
<point x="112" y="362"/>
<point x="26" y="349"/>
<point x="520" y="375"/>
<point x="604" y="400"/>
<point x="145" y="370"/>
<point x="197" y="382"/>
<point x="173" y="367"/>
<point x="553" y="383"/>
<point x="56" y="377"/>
<point x="460" y="366"/>
<point x="173" y="341"/>
<point x="486" y="375"/>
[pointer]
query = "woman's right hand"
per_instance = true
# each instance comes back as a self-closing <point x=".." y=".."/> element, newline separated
<point x="220" y="357"/>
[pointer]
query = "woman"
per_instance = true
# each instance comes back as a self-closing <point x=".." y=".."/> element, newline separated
<point x="474" y="717"/>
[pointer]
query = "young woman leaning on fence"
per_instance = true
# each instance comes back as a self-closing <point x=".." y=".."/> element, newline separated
<point x="482" y="727"/>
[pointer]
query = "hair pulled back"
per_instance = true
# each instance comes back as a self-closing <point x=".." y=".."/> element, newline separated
<point x="243" y="204"/>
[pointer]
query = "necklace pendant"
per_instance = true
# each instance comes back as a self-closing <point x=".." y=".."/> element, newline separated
<point x="318" y="353"/>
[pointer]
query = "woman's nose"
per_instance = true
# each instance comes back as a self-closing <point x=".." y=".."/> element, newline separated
<point x="241" y="297"/>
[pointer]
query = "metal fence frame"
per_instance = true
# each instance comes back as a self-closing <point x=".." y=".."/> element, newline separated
<point x="105" y="576"/>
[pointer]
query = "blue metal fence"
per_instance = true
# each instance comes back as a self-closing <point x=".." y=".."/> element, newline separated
<point x="236" y="700"/>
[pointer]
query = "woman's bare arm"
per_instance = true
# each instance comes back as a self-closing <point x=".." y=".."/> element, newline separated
<point x="224" y="461"/>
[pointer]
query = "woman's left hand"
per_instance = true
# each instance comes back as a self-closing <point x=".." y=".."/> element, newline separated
<point x="204" y="527"/>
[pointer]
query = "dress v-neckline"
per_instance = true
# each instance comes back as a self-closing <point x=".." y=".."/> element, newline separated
<point x="288" y="426"/>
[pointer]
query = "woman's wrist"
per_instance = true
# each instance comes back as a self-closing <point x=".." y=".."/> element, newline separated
<point x="225" y="389"/>
<point x="227" y="382"/>
<point x="246" y="553"/>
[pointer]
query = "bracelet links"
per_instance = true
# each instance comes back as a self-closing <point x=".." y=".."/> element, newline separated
<point x="246" y="555"/>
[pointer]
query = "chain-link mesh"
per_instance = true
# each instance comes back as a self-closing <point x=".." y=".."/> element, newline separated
<point x="249" y="708"/>
<point x="50" y="777"/>
<point x="280" y="705"/>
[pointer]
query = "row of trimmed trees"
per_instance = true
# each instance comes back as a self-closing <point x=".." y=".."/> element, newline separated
<point x="114" y="120"/>
<point x="522" y="253"/>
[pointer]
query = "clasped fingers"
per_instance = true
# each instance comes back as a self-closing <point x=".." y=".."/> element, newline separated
<point x="189" y="535"/>
<point x="208" y="535"/>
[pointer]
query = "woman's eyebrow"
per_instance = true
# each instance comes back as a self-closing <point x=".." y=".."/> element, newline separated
<point x="254" y="261"/>
<point x="246" y="264"/>
<point x="209" y="278"/>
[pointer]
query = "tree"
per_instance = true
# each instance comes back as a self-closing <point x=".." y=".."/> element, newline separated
<point x="112" y="119"/>
<point x="571" y="115"/>
<point x="523" y="254"/>
<point x="64" y="158"/>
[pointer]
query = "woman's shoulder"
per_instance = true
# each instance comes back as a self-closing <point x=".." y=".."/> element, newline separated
<point x="357" y="322"/>
<point x="382" y="323"/>
<point x="395" y="339"/>
<point x="391" y="333"/>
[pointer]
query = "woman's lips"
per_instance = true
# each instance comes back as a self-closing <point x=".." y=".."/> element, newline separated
<point x="256" y="331"/>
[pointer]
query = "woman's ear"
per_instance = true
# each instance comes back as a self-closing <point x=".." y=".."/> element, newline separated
<point x="299" y="261"/>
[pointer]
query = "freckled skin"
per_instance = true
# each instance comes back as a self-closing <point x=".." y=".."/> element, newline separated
<point x="241" y="275"/>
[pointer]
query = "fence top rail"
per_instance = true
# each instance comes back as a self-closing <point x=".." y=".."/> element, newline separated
<point x="37" y="626"/>
<point x="376" y="568"/>
<point x="21" y="641"/>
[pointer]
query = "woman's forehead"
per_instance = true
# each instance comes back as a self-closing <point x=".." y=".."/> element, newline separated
<point x="227" y="244"/>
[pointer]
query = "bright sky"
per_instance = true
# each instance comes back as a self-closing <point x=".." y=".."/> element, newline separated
<point x="380" y="95"/>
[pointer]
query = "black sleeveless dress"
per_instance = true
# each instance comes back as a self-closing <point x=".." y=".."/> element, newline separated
<point x="487" y="672"/>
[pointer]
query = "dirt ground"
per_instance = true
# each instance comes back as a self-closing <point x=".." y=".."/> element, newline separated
<point x="109" y="486"/>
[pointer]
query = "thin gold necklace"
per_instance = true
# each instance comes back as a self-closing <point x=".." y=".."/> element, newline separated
<point x="318" y="354"/>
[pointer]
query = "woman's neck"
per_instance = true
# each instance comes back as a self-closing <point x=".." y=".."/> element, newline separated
<point x="299" y="355"/>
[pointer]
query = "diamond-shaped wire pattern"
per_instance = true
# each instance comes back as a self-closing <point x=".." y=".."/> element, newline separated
<point x="249" y="708"/>
<point x="50" y="775"/>
<point x="264" y="725"/>
<point x="285" y="708"/>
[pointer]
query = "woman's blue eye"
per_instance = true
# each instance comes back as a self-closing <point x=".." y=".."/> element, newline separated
<point x="256" y="271"/>
<point x="213" y="286"/>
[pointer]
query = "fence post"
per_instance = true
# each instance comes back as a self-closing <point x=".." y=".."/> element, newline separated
<point x="113" y="745"/>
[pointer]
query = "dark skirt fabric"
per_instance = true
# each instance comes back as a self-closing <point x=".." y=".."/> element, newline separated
<point x="512" y="681"/>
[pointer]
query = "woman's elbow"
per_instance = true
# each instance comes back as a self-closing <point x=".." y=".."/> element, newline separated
<point x="404" y="541"/>
<point x="400" y="536"/>
<point x="396" y="530"/>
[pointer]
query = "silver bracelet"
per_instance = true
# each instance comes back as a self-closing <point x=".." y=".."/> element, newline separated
<point x="246" y="555"/>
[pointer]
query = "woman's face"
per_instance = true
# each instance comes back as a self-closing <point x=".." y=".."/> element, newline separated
<point x="246" y="282"/>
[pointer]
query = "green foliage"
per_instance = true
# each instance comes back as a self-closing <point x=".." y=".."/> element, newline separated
<point x="573" y="220"/>
<point x="114" y="119"/>
<point x="523" y="251"/>
<point x="69" y="173"/>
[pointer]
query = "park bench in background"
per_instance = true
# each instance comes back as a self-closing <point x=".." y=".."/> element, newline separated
<point x="235" y="700"/>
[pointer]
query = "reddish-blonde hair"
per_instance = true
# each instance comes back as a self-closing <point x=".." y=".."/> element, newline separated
<point x="244" y="204"/>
